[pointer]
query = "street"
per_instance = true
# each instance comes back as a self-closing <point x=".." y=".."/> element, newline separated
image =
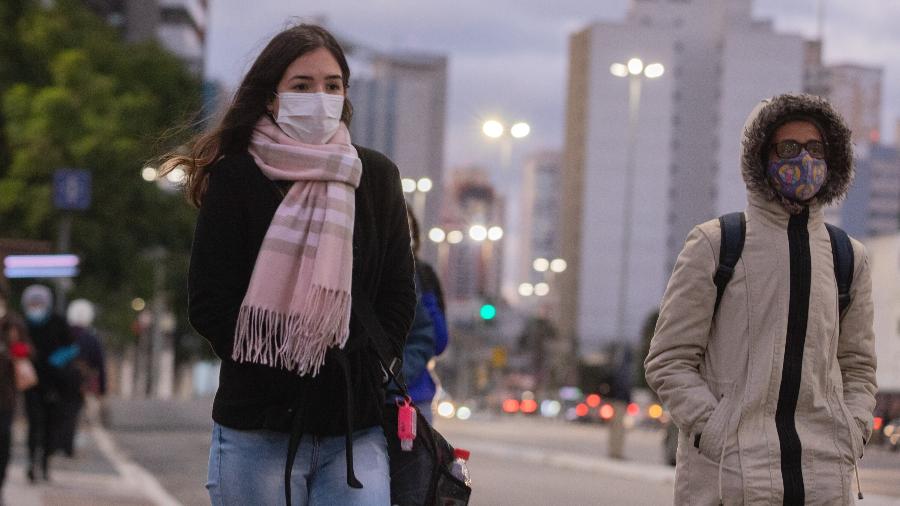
<point x="157" y="454"/>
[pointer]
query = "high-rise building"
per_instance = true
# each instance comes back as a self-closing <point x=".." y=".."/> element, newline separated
<point x="815" y="73"/>
<point x="539" y="225"/>
<point x="399" y="108"/>
<point x="719" y="62"/>
<point x="179" y="25"/>
<point x="855" y="91"/>
<point x="872" y="206"/>
<point x="470" y="265"/>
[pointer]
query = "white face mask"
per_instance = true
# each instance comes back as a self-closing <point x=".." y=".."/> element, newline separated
<point x="311" y="118"/>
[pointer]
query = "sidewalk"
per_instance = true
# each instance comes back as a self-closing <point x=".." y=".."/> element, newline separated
<point x="99" y="475"/>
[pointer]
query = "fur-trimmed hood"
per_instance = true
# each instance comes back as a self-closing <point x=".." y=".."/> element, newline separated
<point x="772" y="113"/>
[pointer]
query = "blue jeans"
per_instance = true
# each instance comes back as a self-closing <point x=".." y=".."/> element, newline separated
<point x="247" y="467"/>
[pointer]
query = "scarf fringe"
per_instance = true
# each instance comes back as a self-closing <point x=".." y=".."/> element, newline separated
<point x="296" y="342"/>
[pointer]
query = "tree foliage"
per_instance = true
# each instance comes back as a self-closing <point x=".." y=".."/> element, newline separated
<point x="75" y="95"/>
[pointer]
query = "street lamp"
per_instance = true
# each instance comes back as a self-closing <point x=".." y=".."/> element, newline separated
<point x="495" y="130"/>
<point x="419" y="188"/>
<point x="149" y="174"/>
<point x="633" y="70"/>
<point x="437" y="235"/>
<point x="526" y="289"/>
<point x="478" y="233"/>
<point x="558" y="265"/>
<point x="495" y="233"/>
<point x="541" y="264"/>
<point x="520" y="130"/>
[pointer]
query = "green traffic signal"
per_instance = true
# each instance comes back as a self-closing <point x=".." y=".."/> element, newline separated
<point x="488" y="312"/>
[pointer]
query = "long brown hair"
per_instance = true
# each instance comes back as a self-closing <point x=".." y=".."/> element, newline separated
<point x="232" y="134"/>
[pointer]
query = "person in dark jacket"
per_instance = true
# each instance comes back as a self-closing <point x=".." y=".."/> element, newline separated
<point x="58" y="381"/>
<point x="91" y="366"/>
<point x="428" y="337"/>
<point x="293" y="219"/>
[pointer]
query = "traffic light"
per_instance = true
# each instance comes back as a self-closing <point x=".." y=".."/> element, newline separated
<point x="488" y="312"/>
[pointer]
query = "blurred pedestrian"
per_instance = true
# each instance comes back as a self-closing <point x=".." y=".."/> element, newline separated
<point x="91" y="366"/>
<point x="58" y="381"/>
<point x="619" y="396"/>
<point x="428" y="337"/>
<point x="772" y="386"/>
<point x="14" y="354"/>
<point x="291" y="216"/>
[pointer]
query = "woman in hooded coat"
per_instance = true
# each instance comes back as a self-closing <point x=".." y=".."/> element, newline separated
<point x="774" y="390"/>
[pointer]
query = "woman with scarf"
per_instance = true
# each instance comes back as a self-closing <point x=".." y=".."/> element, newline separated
<point x="293" y="219"/>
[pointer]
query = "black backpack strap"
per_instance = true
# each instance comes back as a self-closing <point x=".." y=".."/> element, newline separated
<point x="842" y="252"/>
<point x="734" y="228"/>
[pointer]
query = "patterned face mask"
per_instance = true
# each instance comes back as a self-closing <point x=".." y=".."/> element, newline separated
<point x="799" y="178"/>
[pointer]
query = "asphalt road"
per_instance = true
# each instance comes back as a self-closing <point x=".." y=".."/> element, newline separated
<point x="515" y="461"/>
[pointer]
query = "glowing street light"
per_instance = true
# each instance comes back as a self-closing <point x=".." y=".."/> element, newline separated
<point x="149" y="174"/>
<point x="541" y="264"/>
<point x="176" y="176"/>
<point x="495" y="233"/>
<point x="558" y="265"/>
<point x="493" y="129"/>
<point x="478" y="233"/>
<point x="526" y="289"/>
<point x="424" y="185"/>
<point x="437" y="235"/>
<point x="520" y="130"/>
<point x="654" y="70"/>
<point x="409" y="185"/>
<point x="618" y="70"/>
<point x="541" y="289"/>
<point x="635" y="66"/>
<point x="455" y="237"/>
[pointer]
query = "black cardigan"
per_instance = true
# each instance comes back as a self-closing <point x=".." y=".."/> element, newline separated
<point x="235" y="214"/>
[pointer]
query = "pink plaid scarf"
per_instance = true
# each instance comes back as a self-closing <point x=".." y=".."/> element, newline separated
<point x="298" y="303"/>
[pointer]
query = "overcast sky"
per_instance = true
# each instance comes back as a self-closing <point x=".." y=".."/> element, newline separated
<point x="508" y="58"/>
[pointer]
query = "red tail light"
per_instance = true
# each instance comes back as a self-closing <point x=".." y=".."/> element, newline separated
<point x="582" y="409"/>
<point x="529" y="406"/>
<point x="510" y="406"/>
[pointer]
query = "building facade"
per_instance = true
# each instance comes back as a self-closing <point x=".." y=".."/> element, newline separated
<point x="540" y="204"/>
<point x="399" y="108"/>
<point x="179" y="25"/>
<point x="719" y="63"/>
<point x="872" y="206"/>
<point x="855" y="91"/>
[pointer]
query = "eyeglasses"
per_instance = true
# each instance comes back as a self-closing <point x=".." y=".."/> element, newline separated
<point x="791" y="148"/>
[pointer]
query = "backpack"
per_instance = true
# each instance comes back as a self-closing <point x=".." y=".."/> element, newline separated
<point x="734" y="229"/>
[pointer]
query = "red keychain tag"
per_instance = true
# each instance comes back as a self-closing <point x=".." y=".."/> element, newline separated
<point x="406" y="424"/>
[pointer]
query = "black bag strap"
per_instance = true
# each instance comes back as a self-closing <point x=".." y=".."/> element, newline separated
<point x="390" y="358"/>
<point x="842" y="252"/>
<point x="734" y="228"/>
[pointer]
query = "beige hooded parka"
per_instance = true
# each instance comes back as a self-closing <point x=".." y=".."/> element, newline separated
<point x="773" y="394"/>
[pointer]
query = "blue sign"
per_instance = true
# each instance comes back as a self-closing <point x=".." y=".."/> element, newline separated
<point x="72" y="189"/>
